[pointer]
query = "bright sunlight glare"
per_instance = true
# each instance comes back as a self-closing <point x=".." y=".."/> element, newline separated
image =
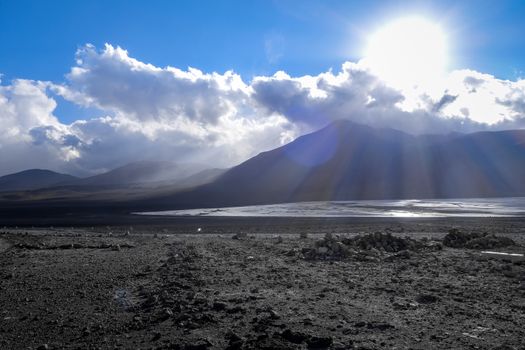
<point x="408" y="51"/>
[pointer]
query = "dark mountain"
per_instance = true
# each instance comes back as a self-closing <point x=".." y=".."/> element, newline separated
<point x="348" y="161"/>
<point x="32" y="179"/>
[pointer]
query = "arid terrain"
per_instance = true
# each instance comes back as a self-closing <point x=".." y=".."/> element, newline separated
<point x="205" y="283"/>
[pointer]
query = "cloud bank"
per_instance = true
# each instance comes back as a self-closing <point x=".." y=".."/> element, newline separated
<point x="219" y="119"/>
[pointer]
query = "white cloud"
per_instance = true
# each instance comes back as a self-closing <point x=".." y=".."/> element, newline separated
<point x="218" y="119"/>
<point x="463" y="101"/>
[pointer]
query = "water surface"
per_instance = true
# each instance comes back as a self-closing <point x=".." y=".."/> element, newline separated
<point x="477" y="207"/>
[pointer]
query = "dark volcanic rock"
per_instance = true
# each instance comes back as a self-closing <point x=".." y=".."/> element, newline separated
<point x="382" y="241"/>
<point x="474" y="240"/>
<point x="363" y="247"/>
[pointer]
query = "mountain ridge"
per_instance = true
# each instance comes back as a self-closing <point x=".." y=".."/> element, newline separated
<point x="344" y="161"/>
<point x="349" y="161"/>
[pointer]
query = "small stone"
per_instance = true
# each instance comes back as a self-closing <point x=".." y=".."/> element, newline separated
<point x="167" y="313"/>
<point x="274" y="315"/>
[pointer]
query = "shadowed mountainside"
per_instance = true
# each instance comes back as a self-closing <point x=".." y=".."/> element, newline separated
<point x="347" y="161"/>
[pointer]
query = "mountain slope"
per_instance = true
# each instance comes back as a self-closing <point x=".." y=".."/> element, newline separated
<point x="32" y="179"/>
<point x="347" y="161"/>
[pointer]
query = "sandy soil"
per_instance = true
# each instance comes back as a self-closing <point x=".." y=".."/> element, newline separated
<point x="172" y="286"/>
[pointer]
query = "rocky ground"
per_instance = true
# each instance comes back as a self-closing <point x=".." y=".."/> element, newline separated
<point x="304" y="285"/>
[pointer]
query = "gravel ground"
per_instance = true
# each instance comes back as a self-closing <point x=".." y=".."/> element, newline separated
<point x="259" y="285"/>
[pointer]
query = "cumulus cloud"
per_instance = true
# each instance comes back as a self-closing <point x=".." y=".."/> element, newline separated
<point x="464" y="101"/>
<point x="218" y="119"/>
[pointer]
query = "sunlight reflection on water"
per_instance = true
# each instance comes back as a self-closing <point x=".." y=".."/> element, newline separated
<point x="479" y="207"/>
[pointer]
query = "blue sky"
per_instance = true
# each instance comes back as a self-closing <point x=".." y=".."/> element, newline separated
<point x="90" y="85"/>
<point x="39" y="38"/>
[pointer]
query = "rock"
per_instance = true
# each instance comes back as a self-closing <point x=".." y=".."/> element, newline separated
<point x="197" y="346"/>
<point x="166" y="313"/>
<point x="232" y="336"/>
<point x="240" y="235"/>
<point x="219" y="306"/>
<point x="319" y="342"/>
<point x="341" y="346"/>
<point x="274" y="315"/>
<point x="236" y="309"/>
<point x="235" y="345"/>
<point x="426" y="298"/>
<point x="303" y="235"/>
<point x="403" y="254"/>
<point x="382" y="326"/>
<point x="235" y="341"/>
<point x="294" y="337"/>
<point x="382" y="241"/>
<point x="43" y="347"/>
<point x="503" y="347"/>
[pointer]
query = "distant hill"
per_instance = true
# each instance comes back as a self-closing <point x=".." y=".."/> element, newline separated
<point x="348" y="161"/>
<point x="141" y="172"/>
<point x="32" y="179"/>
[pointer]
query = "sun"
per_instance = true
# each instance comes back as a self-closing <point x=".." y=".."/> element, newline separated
<point x="408" y="51"/>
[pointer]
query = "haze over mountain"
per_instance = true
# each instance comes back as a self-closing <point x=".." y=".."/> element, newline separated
<point x="140" y="172"/>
